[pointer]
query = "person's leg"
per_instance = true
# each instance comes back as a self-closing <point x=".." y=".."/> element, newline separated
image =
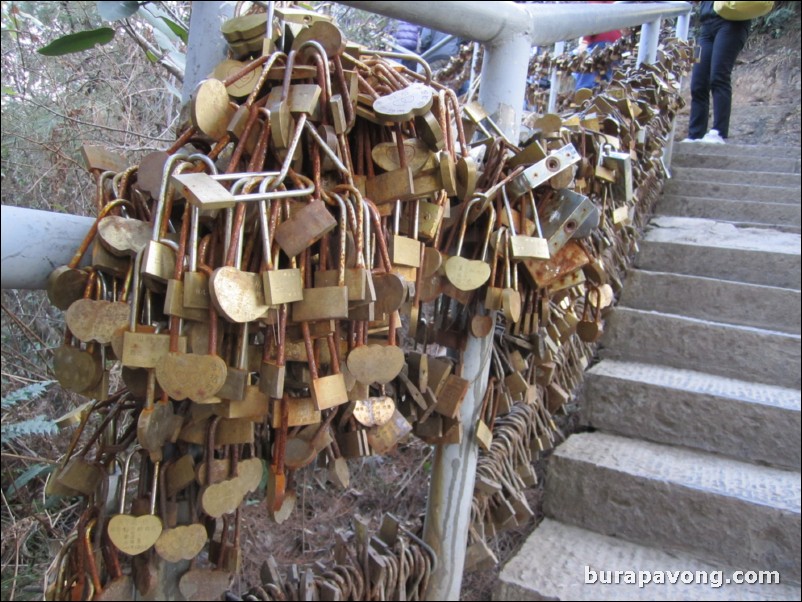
<point x="729" y="41"/>
<point x="700" y="86"/>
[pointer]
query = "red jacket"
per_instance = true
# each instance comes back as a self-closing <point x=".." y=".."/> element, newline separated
<point x="607" y="36"/>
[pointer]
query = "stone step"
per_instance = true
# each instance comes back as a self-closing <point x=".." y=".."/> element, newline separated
<point x="678" y="499"/>
<point x="701" y="411"/>
<point x="741" y="352"/>
<point x="732" y="211"/>
<point x="701" y="247"/>
<point x="729" y="176"/>
<point x="723" y="301"/>
<point x="746" y="162"/>
<point x="738" y="150"/>
<point x="733" y="191"/>
<point x="788" y="228"/>
<point x="556" y="560"/>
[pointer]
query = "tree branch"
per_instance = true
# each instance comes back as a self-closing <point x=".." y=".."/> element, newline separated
<point x="96" y="125"/>
<point x="148" y="47"/>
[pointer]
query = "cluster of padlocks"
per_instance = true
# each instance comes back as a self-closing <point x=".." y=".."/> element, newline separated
<point x="393" y="564"/>
<point x="293" y="281"/>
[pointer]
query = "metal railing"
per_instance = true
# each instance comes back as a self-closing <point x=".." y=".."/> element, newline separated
<point x="508" y="31"/>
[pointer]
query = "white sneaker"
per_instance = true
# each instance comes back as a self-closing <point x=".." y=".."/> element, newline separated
<point x="713" y="137"/>
<point x="692" y="140"/>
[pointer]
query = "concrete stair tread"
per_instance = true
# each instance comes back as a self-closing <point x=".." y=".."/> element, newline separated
<point x="683" y="406"/>
<point x="728" y="176"/>
<point x="713" y="233"/>
<point x="726" y="202"/>
<point x="781" y="214"/>
<point x="741" y="225"/>
<point x="738" y="149"/>
<point x="714" y="299"/>
<point x="704" y="322"/>
<point x="758" y="485"/>
<point x="765" y="164"/>
<point x="700" y="382"/>
<point x="734" y="191"/>
<point x="729" y="350"/>
<point x="563" y="551"/>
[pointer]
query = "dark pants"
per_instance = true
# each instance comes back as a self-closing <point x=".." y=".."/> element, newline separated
<point x="588" y="80"/>
<point x="720" y="42"/>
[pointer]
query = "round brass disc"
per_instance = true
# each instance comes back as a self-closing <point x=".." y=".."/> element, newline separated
<point x="209" y="108"/>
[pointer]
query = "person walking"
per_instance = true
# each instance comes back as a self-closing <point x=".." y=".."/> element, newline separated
<point x="407" y="35"/>
<point x="721" y="41"/>
<point x="592" y="79"/>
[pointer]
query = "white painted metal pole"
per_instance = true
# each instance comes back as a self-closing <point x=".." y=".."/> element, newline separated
<point x="649" y="36"/>
<point x="545" y="24"/>
<point x="504" y="70"/>
<point x="683" y="25"/>
<point x="448" y="512"/>
<point x="206" y="46"/>
<point x="35" y="242"/>
<point x="554" y="80"/>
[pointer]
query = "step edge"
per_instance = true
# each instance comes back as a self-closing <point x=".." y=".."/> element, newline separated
<point x="595" y="373"/>
<point x="739" y="494"/>
<point x="679" y="317"/>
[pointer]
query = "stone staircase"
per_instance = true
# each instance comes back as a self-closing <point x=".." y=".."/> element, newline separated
<point x="692" y="460"/>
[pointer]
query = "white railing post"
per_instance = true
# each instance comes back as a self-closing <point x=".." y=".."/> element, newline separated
<point x="206" y="47"/>
<point x="554" y="79"/>
<point x="683" y="26"/>
<point x="35" y="242"/>
<point x="681" y="31"/>
<point x="649" y="36"/>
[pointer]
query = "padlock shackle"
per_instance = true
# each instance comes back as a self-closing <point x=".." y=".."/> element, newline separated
<point x="310" y="351"/>
<point x="166" y="189"/>
<point x="122" y="180"/>
<point x="289" y="65"/>
<point x="90" y="235"/>
<point x="135" y="291"/>
<point x="451" y="98"/>
<point x="379" y="236"/>
<point x="124" y="481"/>
<point x="427" y="70"/>
<point x="322" y="56"/>
<point x="343" y="239"/>
<point x="326" y="148"/>
<point x="268" y="65"/>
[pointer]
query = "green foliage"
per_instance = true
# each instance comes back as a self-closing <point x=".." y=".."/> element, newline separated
<point x="165" y="31"/>
<point x="179" y="30"/>
<point x="27" y="393"/>
<point x="77" y="42"/>
<point x="113" y="11"/>
<point x="27" y="476"/>
<point x="40" y="425"/>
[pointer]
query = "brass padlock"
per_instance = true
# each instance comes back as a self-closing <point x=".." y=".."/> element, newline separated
<point x="135" y="534"/>
<point x="525" y="247"/>
<point x="280" y="285"/>
<point x="467" y="274"/>
<point x="272" y="373"/>
<point x="304" y="228"/>
<point x="358" y="280"/>
<point x="329" y="302"/>
<point x="327" y="391"/>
